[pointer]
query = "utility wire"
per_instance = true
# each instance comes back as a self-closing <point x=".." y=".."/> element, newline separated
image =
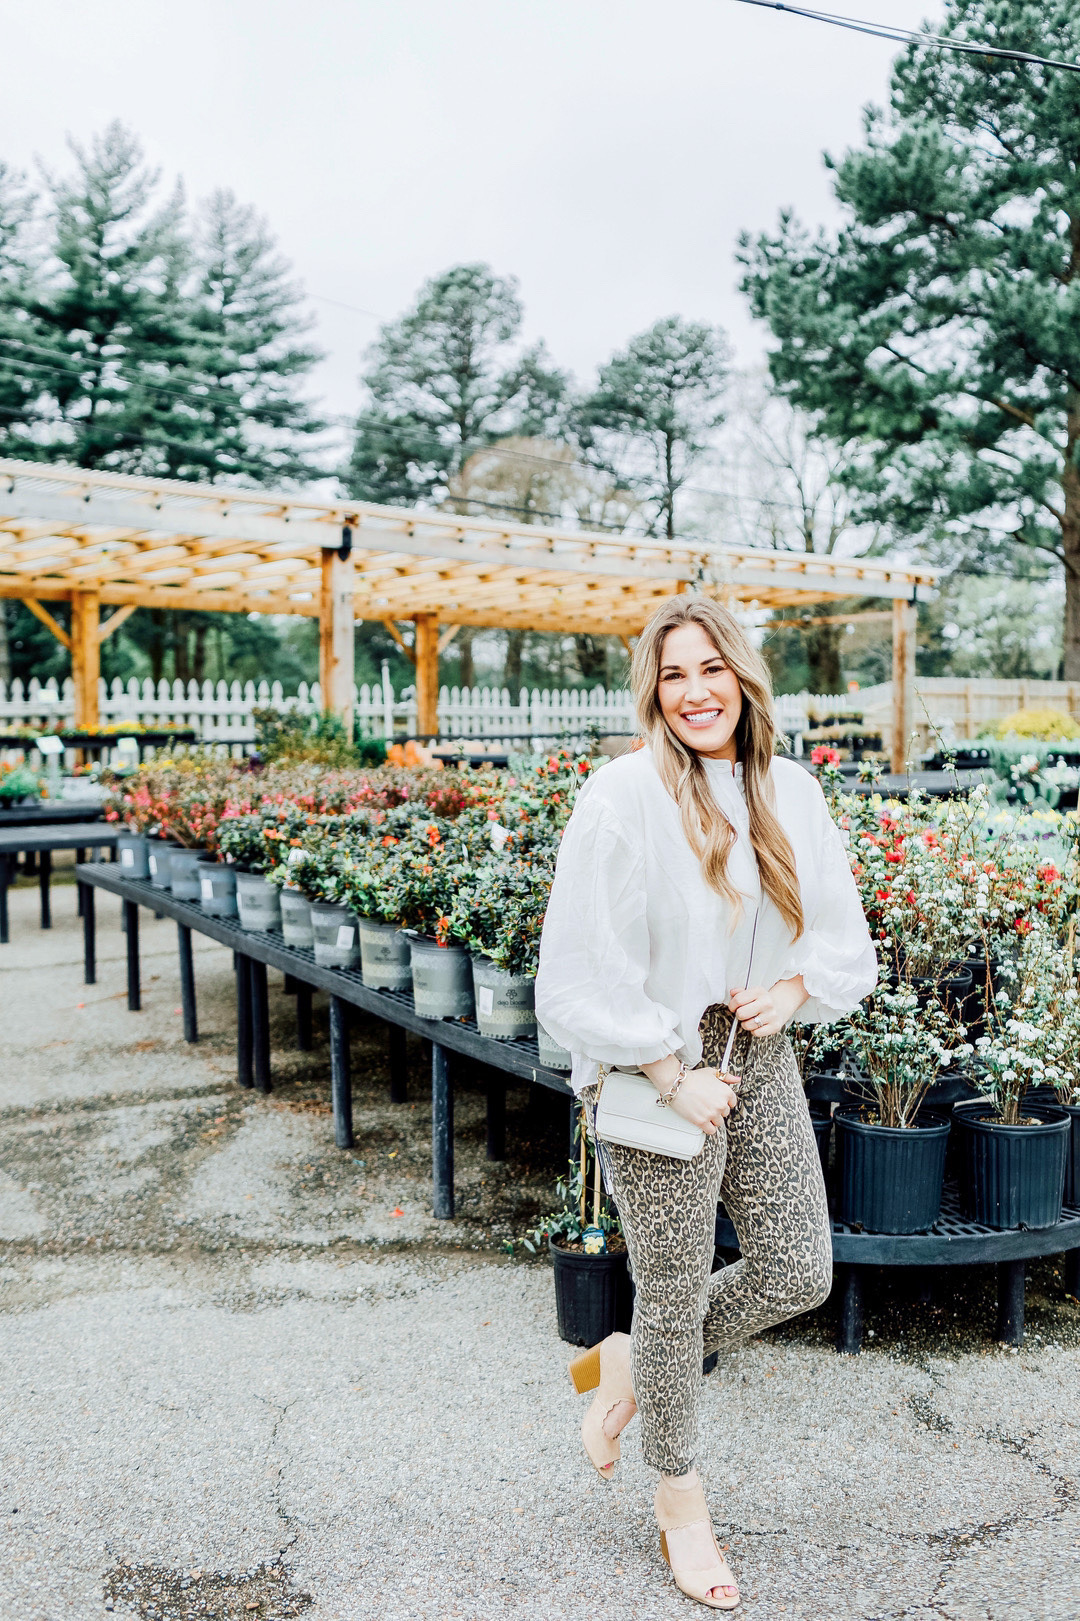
<point x="909" y="36"/>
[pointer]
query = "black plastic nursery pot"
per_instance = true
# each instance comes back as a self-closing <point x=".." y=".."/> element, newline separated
<point x="821" y="1120"/>
<point x="1012" y="1176"/>
<point x="593" y="1297"/>
<point x="889" y="1178"/>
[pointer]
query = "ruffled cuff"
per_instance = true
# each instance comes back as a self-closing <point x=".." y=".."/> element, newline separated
<point x="834" y="988"/>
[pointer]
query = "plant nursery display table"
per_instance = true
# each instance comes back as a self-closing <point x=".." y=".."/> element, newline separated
<point x="98" y="742"/>
<point x="952" y="1241"/>
<point x="47" y="811"/>
<point x="72" y="835"/>
<point x="254" y="952"/>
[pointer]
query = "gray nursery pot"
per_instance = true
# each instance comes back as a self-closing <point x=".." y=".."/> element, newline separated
<point x="441" y="980"/>
<point x="335" y="935"/>
<point x="504" y="1002"/>
<point x="158" y="855"/>
<point x="551" y="1054"/>
<point x="184" y="877"/>
<point x="133" y="855"/>
<point x="296" y="924"/>
<point x="384" y="956"/>
<point x="258" y="901"/>
<point x="217" y="888"/>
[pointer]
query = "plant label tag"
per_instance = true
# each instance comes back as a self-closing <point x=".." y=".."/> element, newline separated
<point x="345" y="936"/>
<point x="206" y="885"/>
<point x="153" y="863"/>
<point x="485" y="999"/>
<point x="127" y="858"/>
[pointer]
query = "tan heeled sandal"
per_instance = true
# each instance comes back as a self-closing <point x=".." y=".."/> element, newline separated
<point x="606" y="1369"/>
<point x="680" y="1506"/>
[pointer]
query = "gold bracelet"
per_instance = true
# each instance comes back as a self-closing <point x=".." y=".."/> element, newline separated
<point x="665" y="1097"/>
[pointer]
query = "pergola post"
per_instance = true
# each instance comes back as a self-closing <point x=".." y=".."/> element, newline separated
<point x="903" y="680"/>
<point x="426" y="647"/>
<point x="337" y="617"/>
<point x="85" y="658"/>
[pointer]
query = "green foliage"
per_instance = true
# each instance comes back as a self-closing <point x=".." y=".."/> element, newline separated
<point x="941" y="326"/>
<point x="288" y="734"/>
<point x="138" y="343"/>
<point x="646" y="422"/>
<point x="443" y="380"/>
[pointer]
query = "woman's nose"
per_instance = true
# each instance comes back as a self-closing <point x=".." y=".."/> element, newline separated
<point x="697" y="691"/>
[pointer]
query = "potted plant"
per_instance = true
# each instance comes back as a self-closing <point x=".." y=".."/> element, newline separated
<point x="593" y="1295"/>
<point x="890" y="1149"/>
<point x="250" y="841"/>
<point x="499" y="913"/>
<point x="1012" y="1153"/>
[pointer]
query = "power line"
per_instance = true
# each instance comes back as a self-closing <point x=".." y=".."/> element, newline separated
<point x="909" y="36"/>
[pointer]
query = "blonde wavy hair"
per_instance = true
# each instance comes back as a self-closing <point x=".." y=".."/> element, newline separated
<point x="681" y="769"/>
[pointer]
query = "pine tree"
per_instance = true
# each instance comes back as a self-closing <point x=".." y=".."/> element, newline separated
<point x="646" y="423"/>
<point x="444" y="380"/>
<point x="24" y="344"/>
<point x="941" y="326"/>
<point x="115" y="309"/>
<point x="252" y="361"/>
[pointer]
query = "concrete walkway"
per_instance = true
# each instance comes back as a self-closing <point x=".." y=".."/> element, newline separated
<point x="238" y="1383"/>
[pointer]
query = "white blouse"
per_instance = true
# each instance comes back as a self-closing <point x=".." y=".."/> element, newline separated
<point x="636" y="945"/>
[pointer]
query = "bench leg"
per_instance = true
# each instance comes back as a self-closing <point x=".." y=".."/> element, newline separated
<point x="80" y="855"/>
<point x="44" y="874"/>
<point x="496" y="1120"/>
<point x="131" y="926"/>
<point x="340" y="1072"/>
<point x="187" y="983"/>
<point x="1072" y="1273"/>
<point x="245" y="1073"/>
<point x="89" y="934"/>
<point x="1010" y="1313"/>
<point x="850" y="1327"/>
<point x="6" y="871"/>
<point x="260" y="1024"/>
<point x="442" y="1134"/>
<point x="303" y="1017"/>
<point x="399" y="1074"/>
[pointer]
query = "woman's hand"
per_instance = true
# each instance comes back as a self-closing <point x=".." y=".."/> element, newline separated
<point x="766" y="1012"/>
<point x="703" y="1098"/>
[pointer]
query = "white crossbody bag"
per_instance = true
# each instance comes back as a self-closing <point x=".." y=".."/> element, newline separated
<point x="630" y="1112"/>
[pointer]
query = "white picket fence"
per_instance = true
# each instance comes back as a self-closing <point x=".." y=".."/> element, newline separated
<point x="221" y="712"/>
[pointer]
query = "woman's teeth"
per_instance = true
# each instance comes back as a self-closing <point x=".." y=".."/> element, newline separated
<point x="702" y="717"/>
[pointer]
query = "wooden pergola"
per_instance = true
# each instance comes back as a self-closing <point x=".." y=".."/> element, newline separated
<point x="106" y="539"/>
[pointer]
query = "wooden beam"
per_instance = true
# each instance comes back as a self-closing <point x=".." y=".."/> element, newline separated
<point x="427" y="672"/>
<point x="115" y="620"/>
<point x="48" y="621"/>
<point x="447" y="637"/>
<point x="409" y="652"/>
<point x="904" y="619"/>
<point x="85" y="658"/>
<point x="337" y="621"/>
<point x="881" y="614"/>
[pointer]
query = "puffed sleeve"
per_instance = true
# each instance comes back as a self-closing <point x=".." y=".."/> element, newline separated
<point x="594" y="951"/>
<point x="835" y="954"/>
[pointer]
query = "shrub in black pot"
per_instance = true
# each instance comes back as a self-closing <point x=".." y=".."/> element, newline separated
<point x="593" y="1295"/>
<point x="1012" y="1173"/>
<point x="889" y="1178"/>
<point x="890" y="1147"/>
<point x="822" y="1121"/>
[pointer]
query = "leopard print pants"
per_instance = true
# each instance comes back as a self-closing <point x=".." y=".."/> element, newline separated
<point x="765" y="1167"/>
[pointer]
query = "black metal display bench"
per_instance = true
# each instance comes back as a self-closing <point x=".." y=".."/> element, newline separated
<point x="77" y="836"/>
<point x="98" y="742"/>
<point x="255" y="953"/>
<point x="952" y="1241"/>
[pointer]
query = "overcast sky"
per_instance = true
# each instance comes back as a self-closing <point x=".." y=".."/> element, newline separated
<point x="605" y="152"/>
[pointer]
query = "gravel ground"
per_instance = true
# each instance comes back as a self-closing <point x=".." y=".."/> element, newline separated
<point x="237" y="1383"/>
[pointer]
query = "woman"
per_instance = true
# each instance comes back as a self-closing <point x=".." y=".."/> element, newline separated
<point x="670" y="857"/>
